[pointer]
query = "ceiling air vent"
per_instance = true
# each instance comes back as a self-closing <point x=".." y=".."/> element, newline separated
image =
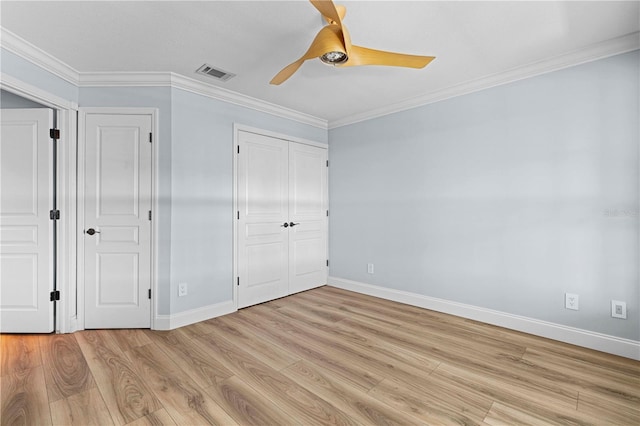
<point x="216" y="73"/>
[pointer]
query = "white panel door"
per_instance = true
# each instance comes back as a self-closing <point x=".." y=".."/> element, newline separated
<point x="26" y="194"/>
<point x="307" y="216"/>
<point x="117" y="234"/>
<point x="282" y="222"/>
<point x="263" y="210"/>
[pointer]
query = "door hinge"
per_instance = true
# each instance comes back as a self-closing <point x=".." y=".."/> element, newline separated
<point x="54" y="214"/>
<point x="54" y="295"/>
<point x="150" y="137"/>
<point x="149" y="293"/>
<point x="327" y="213"/>
<point x="149" y="214"/>
<point x="238" y="281"/>
<point x="327" y="262"/>
<point x="238" y="149"/>
<point x="54" y="134"/>
<point x="238" y="214"/>
<point x="327" y="163"/>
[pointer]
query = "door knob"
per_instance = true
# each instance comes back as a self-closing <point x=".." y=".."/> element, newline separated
<point x="92" y="231"/>
<point x="291" y="224"/>
<point x="286" y="225"/>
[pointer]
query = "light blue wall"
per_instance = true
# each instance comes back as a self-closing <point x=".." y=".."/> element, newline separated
<point x="148" y="97"/>
<point x="202" y="192"/>
<point x="505" y="198"/>
<point x="27" y="72"/>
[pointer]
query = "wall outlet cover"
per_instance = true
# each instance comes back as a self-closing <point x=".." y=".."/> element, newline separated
<point x="571" y="301"/>
<point x="182" y="289"/>
<point x="618" y="309"/>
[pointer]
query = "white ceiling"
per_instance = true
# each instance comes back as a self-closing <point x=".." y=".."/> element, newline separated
<point x="471" y="41"/>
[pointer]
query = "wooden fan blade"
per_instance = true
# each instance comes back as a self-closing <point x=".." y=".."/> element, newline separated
<point x="342" y="11"/>
<point x="347" y="40"/>
<point x="287" y="72"/>
<point x="328" y="39"/>
<point x="363" y="56"/>
<point x="329" y="10"/>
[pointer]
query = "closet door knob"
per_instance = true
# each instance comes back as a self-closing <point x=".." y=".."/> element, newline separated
<point x="286" y="225"/>
<point x="92" y="231"/>
<point x="291" y="224"/>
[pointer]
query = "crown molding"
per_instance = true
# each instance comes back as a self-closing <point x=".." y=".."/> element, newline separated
<point x="177" y="81"/>
<point x="22" y="48"/>
<point x="594" y="52"/>
<point x="42" y="59"/>
<point x="28" y="51"/>
<point x="124" y="79"/>
<point x="219" y="93"/>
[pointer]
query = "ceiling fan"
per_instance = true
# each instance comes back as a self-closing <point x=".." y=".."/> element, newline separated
<point x="333" y="46"/>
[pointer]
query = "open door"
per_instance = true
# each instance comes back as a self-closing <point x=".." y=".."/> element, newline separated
<point x="26" y="228"/>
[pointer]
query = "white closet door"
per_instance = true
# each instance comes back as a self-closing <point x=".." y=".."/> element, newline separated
<point x="263" y="209"/>
<point x="117" y="234"/>
<point x="26" y="194"/>
<point x="308" y="214"/>
<point x="282" y="222"/>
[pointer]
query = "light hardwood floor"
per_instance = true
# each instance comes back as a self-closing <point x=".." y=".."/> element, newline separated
<point x="325" y="356"/>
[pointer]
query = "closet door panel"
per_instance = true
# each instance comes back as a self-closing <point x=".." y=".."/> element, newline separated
<point x="308" y="213"/>
<point x="262" y="184"/>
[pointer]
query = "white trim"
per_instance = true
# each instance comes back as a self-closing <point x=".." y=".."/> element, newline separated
<point x="80" y="179"/>
<point x="153" y="112"/>
<point x="67" y="202"/>
<point x="234" y="219"/>
<point x="237" y="128"/>
<point x="125" y="79"/>
<point x="31" y="53"/>
<point x="594" y="52"/>
<point x="42" y="59"/>
<point x="35" y="94"/>
<point x="169" y="322"/>
<point x="588" y="339"/>
<point x="144" y="79"/>
<point x="155" y="214"/>
<point x="236" y="98"/>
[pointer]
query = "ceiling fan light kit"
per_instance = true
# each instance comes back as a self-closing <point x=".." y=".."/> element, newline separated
<point x="333" y="46"/>
<point x="334" y="58"/>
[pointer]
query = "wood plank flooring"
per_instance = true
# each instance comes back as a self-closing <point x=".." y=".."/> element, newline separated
<point x="325" y="356"/>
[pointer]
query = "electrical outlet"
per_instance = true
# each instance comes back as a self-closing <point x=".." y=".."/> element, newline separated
<point x="370" y="268"/>
<point x="618" y="309"/>
<point x="571" y="301"/>
<point x="182" y="289"/>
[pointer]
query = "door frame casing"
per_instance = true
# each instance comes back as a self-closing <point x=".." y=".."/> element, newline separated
<point x="155" y="207"/>
<point x="237" y="128"/>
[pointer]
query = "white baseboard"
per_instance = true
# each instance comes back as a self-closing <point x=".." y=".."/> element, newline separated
<point x="169" y="322"/>
<point x="588" y="339"/>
